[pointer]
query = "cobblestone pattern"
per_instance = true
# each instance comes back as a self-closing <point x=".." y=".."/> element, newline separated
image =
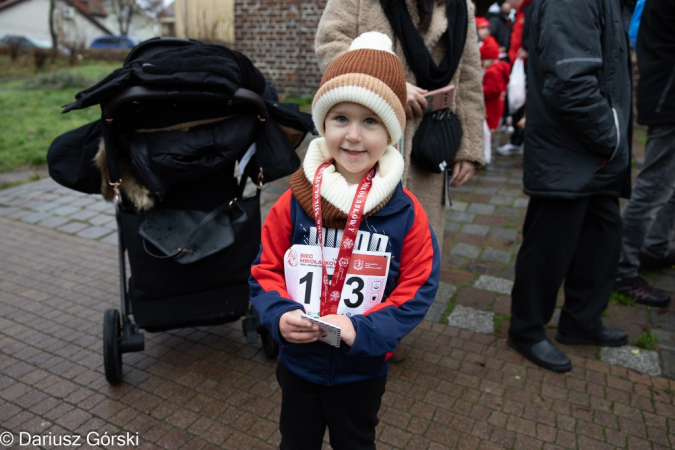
<point x="206" y="388"/>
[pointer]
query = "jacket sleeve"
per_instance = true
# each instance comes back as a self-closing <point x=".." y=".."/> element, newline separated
<point x="569" y="46"/>
<point x="469" y="102"/>
<point x="337" y="28"/>
<point x="267" y="282"/>
<point x="491" y="84"/>
<point x="381" y="329"/>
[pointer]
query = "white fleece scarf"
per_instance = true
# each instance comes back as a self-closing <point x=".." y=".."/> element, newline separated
<point x="336" y="190"/>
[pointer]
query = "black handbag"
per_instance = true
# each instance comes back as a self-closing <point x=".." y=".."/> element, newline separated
<point x="188" y="236"/>
<point x="436" y="141"/>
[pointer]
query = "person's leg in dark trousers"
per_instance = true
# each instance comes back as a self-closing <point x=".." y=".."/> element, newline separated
<point x="349" y="411"/>
<point x="590" y="278"/>
<point x="301" y="423"/>
<point x="550" y="236"/>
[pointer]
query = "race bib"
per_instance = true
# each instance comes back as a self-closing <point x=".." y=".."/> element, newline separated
<point x="364" y="284"/>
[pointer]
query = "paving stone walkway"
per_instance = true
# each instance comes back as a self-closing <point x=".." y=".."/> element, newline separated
<point x="460" y="387"/>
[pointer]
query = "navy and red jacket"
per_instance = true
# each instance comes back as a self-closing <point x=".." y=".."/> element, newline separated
<point x="410" y="289"/>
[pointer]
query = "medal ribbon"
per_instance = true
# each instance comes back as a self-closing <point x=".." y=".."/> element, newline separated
<point x="332" y="290"/>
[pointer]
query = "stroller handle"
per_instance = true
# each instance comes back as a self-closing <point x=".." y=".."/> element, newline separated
<point x="143" y="93"/>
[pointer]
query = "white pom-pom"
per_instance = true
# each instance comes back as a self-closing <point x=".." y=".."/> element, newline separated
<point x="372" y="40"/>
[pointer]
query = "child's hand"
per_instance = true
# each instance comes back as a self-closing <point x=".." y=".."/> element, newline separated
<point x="297" y="330"/>
<point x="348" y="333"/>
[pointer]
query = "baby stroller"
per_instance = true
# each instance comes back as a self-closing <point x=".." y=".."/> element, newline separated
<point x="184" y="125"/>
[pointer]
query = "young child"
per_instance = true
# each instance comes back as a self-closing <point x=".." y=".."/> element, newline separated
<point x="482" y="29"/>
<point x="495" y="82"/>
<point x="347" y="196"/>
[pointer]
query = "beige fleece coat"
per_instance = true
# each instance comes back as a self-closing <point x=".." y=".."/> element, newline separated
<point x="344" y="20"/>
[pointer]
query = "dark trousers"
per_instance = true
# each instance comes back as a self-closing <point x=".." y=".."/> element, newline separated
<point x="349" y="411"/>
<point x="577" y="241"/>
<point x="518" y="134"/>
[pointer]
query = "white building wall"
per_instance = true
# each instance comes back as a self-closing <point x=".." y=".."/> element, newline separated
<point x="31" y="18"/>
<point x="26" y="18"/>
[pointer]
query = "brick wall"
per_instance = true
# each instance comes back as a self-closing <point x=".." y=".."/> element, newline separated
<point x="278" y="37"/>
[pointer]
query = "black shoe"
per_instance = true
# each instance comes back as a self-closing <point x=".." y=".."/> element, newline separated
<point x="544" y="354"/>
<point x="639" y="290"/>
<point x="602" y="336"/>
<point x="649" y="263"/>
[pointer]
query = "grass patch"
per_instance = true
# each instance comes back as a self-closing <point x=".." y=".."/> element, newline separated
<point x="646" y="341"/>
<point x="31" y="120"/>
<point x="640" y="135"/>
<point x="31" y="111"/>
<point x="621" y="299"/>
<point x="300" y="101"/>
<point x="448" y="309"/>
<point x="499" y="320"/>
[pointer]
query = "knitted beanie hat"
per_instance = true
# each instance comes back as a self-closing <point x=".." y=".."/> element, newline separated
<point x="369" y="74"/>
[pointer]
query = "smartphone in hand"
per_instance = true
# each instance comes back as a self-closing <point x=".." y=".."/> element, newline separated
<point x="440" y="98"/>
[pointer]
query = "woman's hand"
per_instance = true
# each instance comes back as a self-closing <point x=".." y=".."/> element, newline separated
<point x="297" y="330"/>
<point x="416" y="103"/>
<point x="462" y="171"/>
<point x="347" y="332"/>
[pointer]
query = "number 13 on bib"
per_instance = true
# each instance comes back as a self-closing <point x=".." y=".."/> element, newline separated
<point x="364" y="284"/>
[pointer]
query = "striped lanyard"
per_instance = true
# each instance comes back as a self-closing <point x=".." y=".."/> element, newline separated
<point x="332" y="289"/>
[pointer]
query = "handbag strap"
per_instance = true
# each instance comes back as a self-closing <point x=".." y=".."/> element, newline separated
<point x="200" y="226"/>
<point x="206" y="220"/>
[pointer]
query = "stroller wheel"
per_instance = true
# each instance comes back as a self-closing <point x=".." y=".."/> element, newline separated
<point x="270" y="346"/>
<point x="250" y="325"/>
<point x="112" y="355"/>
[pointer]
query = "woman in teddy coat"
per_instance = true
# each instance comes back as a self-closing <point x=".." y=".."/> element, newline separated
<point x="343" y="20"/>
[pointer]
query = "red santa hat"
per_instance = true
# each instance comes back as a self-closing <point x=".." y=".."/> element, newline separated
<point x="489" y="49"/>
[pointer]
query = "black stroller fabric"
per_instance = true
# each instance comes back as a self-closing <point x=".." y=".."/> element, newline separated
<point x="191" y="66"/>
<point x="161" y="160"/>
<point x="70" y="158"/>
<point x="208" y="67"/>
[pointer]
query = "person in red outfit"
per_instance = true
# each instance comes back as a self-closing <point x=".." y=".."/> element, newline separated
<point x="483" y="28"/>
<point x="495" y="81"/>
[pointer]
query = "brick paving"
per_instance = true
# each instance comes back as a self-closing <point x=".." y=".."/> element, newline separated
<point x="206" y="387"/>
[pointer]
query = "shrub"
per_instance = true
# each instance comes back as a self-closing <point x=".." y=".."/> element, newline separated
<point x="61" y="79"/>
<point x="105" y="54"/>
<point x="14" y="50"/>
<point x="40" y="56"/>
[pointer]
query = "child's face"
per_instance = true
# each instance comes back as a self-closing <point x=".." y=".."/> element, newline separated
<point x="356" y="139"/>
<point x="483" y="33"/>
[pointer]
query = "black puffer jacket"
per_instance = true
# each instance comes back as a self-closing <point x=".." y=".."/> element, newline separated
<point x="578" y="134"/>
